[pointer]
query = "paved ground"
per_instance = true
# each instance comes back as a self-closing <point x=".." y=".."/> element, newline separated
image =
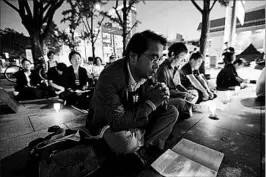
<point x="238" y="133"/>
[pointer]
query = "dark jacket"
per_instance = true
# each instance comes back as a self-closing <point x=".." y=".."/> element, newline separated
<point x="110" y="104"/>
<point x="166" y="74"/>
<point x="21" y="80"/>
<point x="228" y="77"/>
<point x="69" y="75"/>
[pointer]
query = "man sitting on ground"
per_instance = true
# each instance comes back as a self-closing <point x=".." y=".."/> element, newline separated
<point x="168" y="73"/>
<point x="133" y="109"/>
<point x="191" y="78"/>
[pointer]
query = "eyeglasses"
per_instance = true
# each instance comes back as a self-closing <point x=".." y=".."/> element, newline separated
<point x="154" y="59"/>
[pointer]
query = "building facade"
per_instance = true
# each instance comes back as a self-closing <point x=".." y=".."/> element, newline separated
<point x="252" y="32"/>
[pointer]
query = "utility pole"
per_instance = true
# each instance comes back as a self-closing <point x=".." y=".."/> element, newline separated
<point x="232" y="26"/>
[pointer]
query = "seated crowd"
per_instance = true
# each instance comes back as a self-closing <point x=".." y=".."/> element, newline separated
<point x="72" y="84"/>
<point x="137" y="99"/>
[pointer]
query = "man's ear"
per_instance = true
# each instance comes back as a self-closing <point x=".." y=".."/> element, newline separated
<point x="133" y="58"/>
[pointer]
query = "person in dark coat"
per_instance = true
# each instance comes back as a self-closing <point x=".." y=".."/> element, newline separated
<point x="76" y="87"/>
<point x="28" y="82"/>
<point x="126" y="108"/>
<point x="228" y="78"/>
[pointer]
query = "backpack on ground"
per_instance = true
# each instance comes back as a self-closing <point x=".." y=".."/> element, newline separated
<point x="66" y="153"/>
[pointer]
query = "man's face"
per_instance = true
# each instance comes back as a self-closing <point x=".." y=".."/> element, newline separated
<point x="195" y="64"/>
<point x="148" y="62"/>
<point x="26" y="65"/>
<point x="180" y="59"/>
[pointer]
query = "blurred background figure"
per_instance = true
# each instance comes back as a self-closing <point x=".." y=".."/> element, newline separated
<point x="228" y="78"/>
<point x="51" y="61"/>
<point x="97" y="68"/>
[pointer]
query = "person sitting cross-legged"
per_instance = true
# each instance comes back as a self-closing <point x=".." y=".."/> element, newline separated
<point x="191" y="78"/>
<point x="27" y="83"/>
<point x="56" y="79"/>
<point x="77" y="92"/>
<point x="227" y="78"/>
<point x="168" y="73"/>
<point x="133" y="110"/>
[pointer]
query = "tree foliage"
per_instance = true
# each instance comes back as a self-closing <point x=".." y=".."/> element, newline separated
<point x="13" y="42"/>
<point x="73" y="18"/>
<point x="121" y="18"/>
<point x="35" y="18"/>
<point x="89" y="14"/>
<point x="53" y="41"/>
<point x="205" y="12"/>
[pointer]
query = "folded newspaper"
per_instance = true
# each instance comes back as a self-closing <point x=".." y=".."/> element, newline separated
<point x="188" y="159"/>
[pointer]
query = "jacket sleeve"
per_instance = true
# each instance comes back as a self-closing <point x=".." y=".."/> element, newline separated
<point x="109" y="103"/>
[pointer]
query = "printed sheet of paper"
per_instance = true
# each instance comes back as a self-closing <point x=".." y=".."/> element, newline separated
<point x="171" y="164"/>
<point x="201" y="154"/>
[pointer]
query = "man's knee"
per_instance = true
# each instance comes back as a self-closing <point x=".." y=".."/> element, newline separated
<point x="173" y="113"/>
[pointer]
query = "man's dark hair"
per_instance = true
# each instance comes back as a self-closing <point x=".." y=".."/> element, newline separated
<point x="24" y="60"/>
<point x="139" y="42"/>
<point x="50" y="53"/>
<point x="73" y="53"/>
<point x="228" y="57"/>
<point x="197" y="55"/>
<point x="239" y="62"/>
<point x="177" y="48"/>
<point x="61" y="67"/>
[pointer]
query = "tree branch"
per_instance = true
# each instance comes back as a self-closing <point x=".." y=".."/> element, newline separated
<point x="100" y="24"/>
<point x="27" y="7"/>
<point x="52" y="9"/>
<point x="213" y="4"/>
<point x="110" y="17"/>
<point x="196" y="5"/>
<point x="135" y="24"/>
<point x="119" y="18"/>
<point x="11" y="5"/>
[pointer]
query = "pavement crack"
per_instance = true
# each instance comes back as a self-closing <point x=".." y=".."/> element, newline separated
<point x="31" y="124"/>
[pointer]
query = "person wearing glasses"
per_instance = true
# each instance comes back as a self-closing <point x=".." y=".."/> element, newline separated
<point x="130" y="110"/>
<point x="168" y="73"/>
<point x="191" y="78"/>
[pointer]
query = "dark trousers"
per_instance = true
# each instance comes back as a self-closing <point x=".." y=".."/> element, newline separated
<point x="158" y="129"/>
<point x="182" y="107"/>
<point x="29" y="93"/>
<point x="161" y="123"/>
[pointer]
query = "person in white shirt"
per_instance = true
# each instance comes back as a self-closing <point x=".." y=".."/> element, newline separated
<point x="97" y="68"/>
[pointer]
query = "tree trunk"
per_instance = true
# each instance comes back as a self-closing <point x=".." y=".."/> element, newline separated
<point x="93" y="48"/>
<point x="204" y="31"/>
<point x="124" y="25"/>
<point x="36" y="46"/>
<point x="92" y="39"/>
